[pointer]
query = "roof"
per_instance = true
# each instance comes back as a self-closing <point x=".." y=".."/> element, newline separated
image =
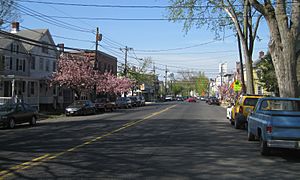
<point x="4" y="42"/>
<point x="34" y="34"/>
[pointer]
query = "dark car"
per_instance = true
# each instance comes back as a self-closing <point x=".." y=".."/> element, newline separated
<point x="104" y="104"/>
<point x="123" y="102"/>
<point x="80" y="107"/>
<point x="135" y="101"/>
<point x="213" y="100"/>
<point x="142" y="99"/>
<point x="17" y="113"/>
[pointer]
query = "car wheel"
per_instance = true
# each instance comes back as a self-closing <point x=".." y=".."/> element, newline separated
<point x="33" y="121"/>
<point x="11" y="123"/>
<point x="237" y="121"/>
<point x="251" y="137"/>
<point x="264" y="149"/>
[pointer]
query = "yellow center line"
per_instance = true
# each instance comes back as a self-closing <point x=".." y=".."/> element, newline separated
<point x="36" y="161"/>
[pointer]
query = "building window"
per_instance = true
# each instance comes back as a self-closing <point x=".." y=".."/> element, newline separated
<point x="32" y="63"/>
<point x="45" y="48"/>
<point x="32" y="88"/>
<point x="259" y="90"/>
<point x="2" y="63"/>
<point x="41" y="65"/>
<point x="10" y="63"/>
<point x="47" y="65"/>
<point x="24" y="64"/>
<point x="17" y="64"/>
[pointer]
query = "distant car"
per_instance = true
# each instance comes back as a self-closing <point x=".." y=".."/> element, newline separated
<point x="142" y="99"/>
<point x="191" y="99"/>
<point x="179" y="99"/>
<point x="17" y="113"/>
<point x="202" y="98"/>
<point x="123" y="102"/>
<point x="275" y="123"/>
<point x="169" y="98"/>
<point x="104" y="104"/>
<point x="213" y="100"/>
<point x="80" y="107"/>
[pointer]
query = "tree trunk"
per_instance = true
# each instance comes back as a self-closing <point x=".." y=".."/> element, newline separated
<point x="282" y="48"/>
<point x="285" y="63"/>
<point x="249" y="68"/>
<point x="284" y="35"/>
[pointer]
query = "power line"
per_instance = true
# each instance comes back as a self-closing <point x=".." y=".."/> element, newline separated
<point x="127" y="6"/>
<point x="51" y="20"/>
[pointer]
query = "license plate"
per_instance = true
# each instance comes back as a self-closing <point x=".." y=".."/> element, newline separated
<point x="71" y="112"/>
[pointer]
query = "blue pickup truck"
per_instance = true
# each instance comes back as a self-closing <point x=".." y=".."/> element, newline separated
<point x="275" y="122"/>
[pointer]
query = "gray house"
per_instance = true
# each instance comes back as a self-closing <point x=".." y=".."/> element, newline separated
<point x="29" y="59"/>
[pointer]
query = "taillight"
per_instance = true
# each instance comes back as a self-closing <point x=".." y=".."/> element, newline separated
<point x="269" y="129"/>
<point x="241" y="109"/>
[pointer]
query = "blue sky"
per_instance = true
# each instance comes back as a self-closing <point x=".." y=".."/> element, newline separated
<point x="142" y="36"/>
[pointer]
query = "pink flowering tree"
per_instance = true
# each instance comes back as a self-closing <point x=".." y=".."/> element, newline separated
<point x="76" y="73"/>
<point x="227" y="93"/>
<point x="111" y="84"/>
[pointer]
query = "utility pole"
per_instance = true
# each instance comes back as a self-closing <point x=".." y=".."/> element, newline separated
<point x="125" y="68"/>
<point x="221" y="74"/>
<point x="96" y="63"/>
<point x="241" y="62"/>
<point x="166" y="79"/>
<point x="154" y="83"/>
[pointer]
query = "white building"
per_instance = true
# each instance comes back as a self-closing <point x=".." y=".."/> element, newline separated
<point x="30" y="58"/>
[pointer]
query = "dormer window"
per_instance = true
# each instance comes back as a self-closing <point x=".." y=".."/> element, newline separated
<point x="45" y="48"/>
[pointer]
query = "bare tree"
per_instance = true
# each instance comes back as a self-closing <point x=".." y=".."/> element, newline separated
<point x="283" y="19"/>
<point x="219" y="15"/>
<point x="8" y="13"/>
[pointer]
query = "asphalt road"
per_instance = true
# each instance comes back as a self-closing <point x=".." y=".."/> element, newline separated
<point x="176" y="140"/>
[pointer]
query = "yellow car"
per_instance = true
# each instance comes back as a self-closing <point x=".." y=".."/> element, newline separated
<point x="242" y="108"/>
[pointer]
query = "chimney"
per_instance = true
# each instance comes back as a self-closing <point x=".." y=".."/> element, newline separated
<point x="61" y="47"/>
<point x="15" y="27"/>
<point x="261" y="54"/>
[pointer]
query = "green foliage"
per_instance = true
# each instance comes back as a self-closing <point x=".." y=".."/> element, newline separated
<point x="202" y="13"/>
<point x="266" y="74"/>
<point x="201" y="84"/>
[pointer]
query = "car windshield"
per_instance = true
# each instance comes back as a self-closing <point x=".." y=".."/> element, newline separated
<point x="100" y="100"/>
<point x="250" y="101"/>
<point x="7" y="107"/>
<point x="79" y="103"/>
<point x="281" y="105"/>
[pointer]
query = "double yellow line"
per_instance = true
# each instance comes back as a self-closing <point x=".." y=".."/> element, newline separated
<point x="36" y="161"/>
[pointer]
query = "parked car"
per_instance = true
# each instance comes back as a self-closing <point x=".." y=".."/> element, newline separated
<point x="169" y="98"/>
<point x="179" y="99"/>
<point x="213" y="100"/>
<point x="229" y="111"/>
<point x="142" y="99"/>
<point x="123" y="102"/>
<point x="104" y="104"/>
<point x="135" y="101"/>
<point x="17" y="113"/>
<point x="191" y="99"/>
<point x="202" y="98"/>
<point x="80" y="107"/>
<point x="243" y="106"/>
<point x="276" y="123"/>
